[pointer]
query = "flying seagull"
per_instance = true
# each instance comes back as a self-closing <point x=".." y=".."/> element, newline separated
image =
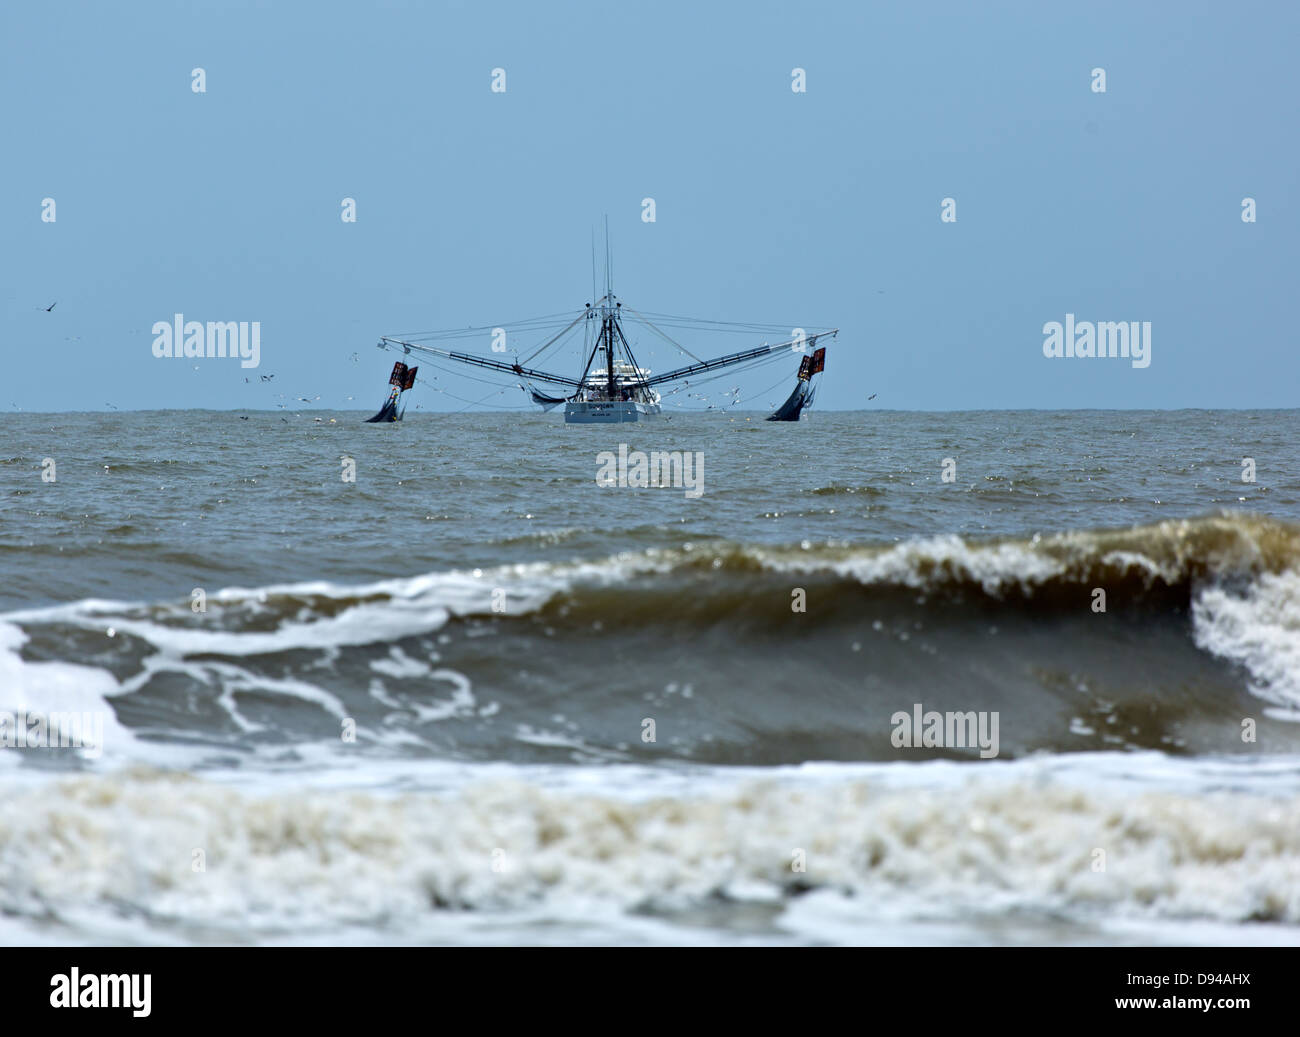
<point x="50" y="307"/>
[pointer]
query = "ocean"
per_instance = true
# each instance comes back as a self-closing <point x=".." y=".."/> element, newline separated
<point x="436" y="682"/>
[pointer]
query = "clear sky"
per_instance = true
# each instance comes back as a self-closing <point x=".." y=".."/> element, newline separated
<point x="822" y="207"/>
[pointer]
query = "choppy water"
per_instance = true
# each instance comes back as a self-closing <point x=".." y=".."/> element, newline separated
<point x="497" y="629"/>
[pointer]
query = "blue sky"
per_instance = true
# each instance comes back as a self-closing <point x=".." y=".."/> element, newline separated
<point x="772" y="206"/>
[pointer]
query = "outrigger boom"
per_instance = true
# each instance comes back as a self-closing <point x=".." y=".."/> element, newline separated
<point x="659" y="379"/>
<point x="482" y="361"/>
<point x="735" y="358"/>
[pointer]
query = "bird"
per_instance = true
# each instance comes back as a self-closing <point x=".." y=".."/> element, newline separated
<point x="871" y="397"/>
<point x="309" y="399"/>
<point x="50" y="307"/>
<point x="267" y="377"/>
<point x="110" y="406"/>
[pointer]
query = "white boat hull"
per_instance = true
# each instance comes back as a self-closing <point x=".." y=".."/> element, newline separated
<point x="611" y="412"/>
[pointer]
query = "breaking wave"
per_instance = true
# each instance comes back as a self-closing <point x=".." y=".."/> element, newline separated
<point x="1163" y="636"/>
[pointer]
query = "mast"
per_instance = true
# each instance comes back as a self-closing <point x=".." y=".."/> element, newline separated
<point x="609" y="350"/>
<point x="627" y="348"/>
<point x="609" y="315"/>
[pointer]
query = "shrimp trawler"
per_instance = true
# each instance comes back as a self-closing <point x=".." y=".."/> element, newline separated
<point x="611" y="387"/>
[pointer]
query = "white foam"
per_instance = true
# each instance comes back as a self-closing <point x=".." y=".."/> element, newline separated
<point x="358" y="625"/>
<point x="1259" y="628"/>
<point x="387" y="610"/>
<point x="303" y="860"/>
<point x="43" y="688"/>
<point x="400" y="665"/>
<point x="993" y="566"/>
<point x="1169" y="551"/>
<point x="461" y="703"/>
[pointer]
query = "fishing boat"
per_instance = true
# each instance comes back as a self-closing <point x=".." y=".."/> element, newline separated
<point x="611" y="387"/>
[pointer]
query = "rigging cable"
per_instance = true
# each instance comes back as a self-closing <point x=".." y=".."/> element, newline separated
<point x="671" y="342"/>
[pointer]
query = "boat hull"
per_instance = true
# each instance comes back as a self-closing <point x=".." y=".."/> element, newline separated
<point x="613" y="412"/>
